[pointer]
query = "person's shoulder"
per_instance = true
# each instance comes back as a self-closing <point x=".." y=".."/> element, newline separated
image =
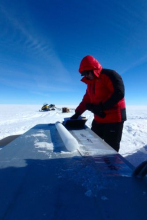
<point x="110" y="73"/>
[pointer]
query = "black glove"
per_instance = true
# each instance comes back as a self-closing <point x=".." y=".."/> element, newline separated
<point x="89" y="106"/>
<point x="75" y="116"/>
<point x="96" y="109"/>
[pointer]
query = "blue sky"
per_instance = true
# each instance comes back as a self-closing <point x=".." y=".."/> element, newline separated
<point x="43" y="41"/>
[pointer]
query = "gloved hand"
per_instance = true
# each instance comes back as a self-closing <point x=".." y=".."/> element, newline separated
<point x="96" y="109"/>
<point x="75" y="116"/>
<point x="89" y="106"/>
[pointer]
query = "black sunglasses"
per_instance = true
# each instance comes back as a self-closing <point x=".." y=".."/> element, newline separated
<point x="86" y="72"/>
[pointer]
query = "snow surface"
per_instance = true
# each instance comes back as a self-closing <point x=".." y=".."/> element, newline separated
<point x="17" y="119"/>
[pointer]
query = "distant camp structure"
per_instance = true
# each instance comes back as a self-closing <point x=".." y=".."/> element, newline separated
<point x="65" y="110"/>
<point x="47" y="107"/>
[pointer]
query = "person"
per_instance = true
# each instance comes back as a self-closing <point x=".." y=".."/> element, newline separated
<point x="105" y="98"/>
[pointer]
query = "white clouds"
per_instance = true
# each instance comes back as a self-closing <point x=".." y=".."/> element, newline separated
<point x="30" y="46"/>
<point x="138" y="62"/>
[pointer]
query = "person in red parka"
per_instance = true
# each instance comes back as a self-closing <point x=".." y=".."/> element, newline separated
<point x="105" y="98"/>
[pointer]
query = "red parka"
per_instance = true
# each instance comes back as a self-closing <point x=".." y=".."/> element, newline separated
<point x="107" y="87"/>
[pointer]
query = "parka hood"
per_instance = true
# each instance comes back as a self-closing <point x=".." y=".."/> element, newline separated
<point x="90" y="63"/>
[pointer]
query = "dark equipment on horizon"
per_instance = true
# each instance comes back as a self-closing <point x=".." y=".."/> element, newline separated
<point x="47" y="107"/>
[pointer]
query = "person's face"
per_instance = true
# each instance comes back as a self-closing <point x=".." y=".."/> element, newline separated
<point x="89" y="75"/>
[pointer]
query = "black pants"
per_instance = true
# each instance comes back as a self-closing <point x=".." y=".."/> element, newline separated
<point x="109" y="132"/>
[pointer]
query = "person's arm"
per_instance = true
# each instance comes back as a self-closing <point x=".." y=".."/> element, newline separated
<point x="115" y="84"/>
<point x="81" y="107"/>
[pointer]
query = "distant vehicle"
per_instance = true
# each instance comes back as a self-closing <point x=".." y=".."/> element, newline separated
<point x="52" y="106"/>
<point x="47" y="107"/>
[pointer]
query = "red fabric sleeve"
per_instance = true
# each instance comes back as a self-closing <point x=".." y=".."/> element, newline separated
<point x="82" y="106"/>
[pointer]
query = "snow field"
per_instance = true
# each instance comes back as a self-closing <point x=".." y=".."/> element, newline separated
<point x="17" y="119"/>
